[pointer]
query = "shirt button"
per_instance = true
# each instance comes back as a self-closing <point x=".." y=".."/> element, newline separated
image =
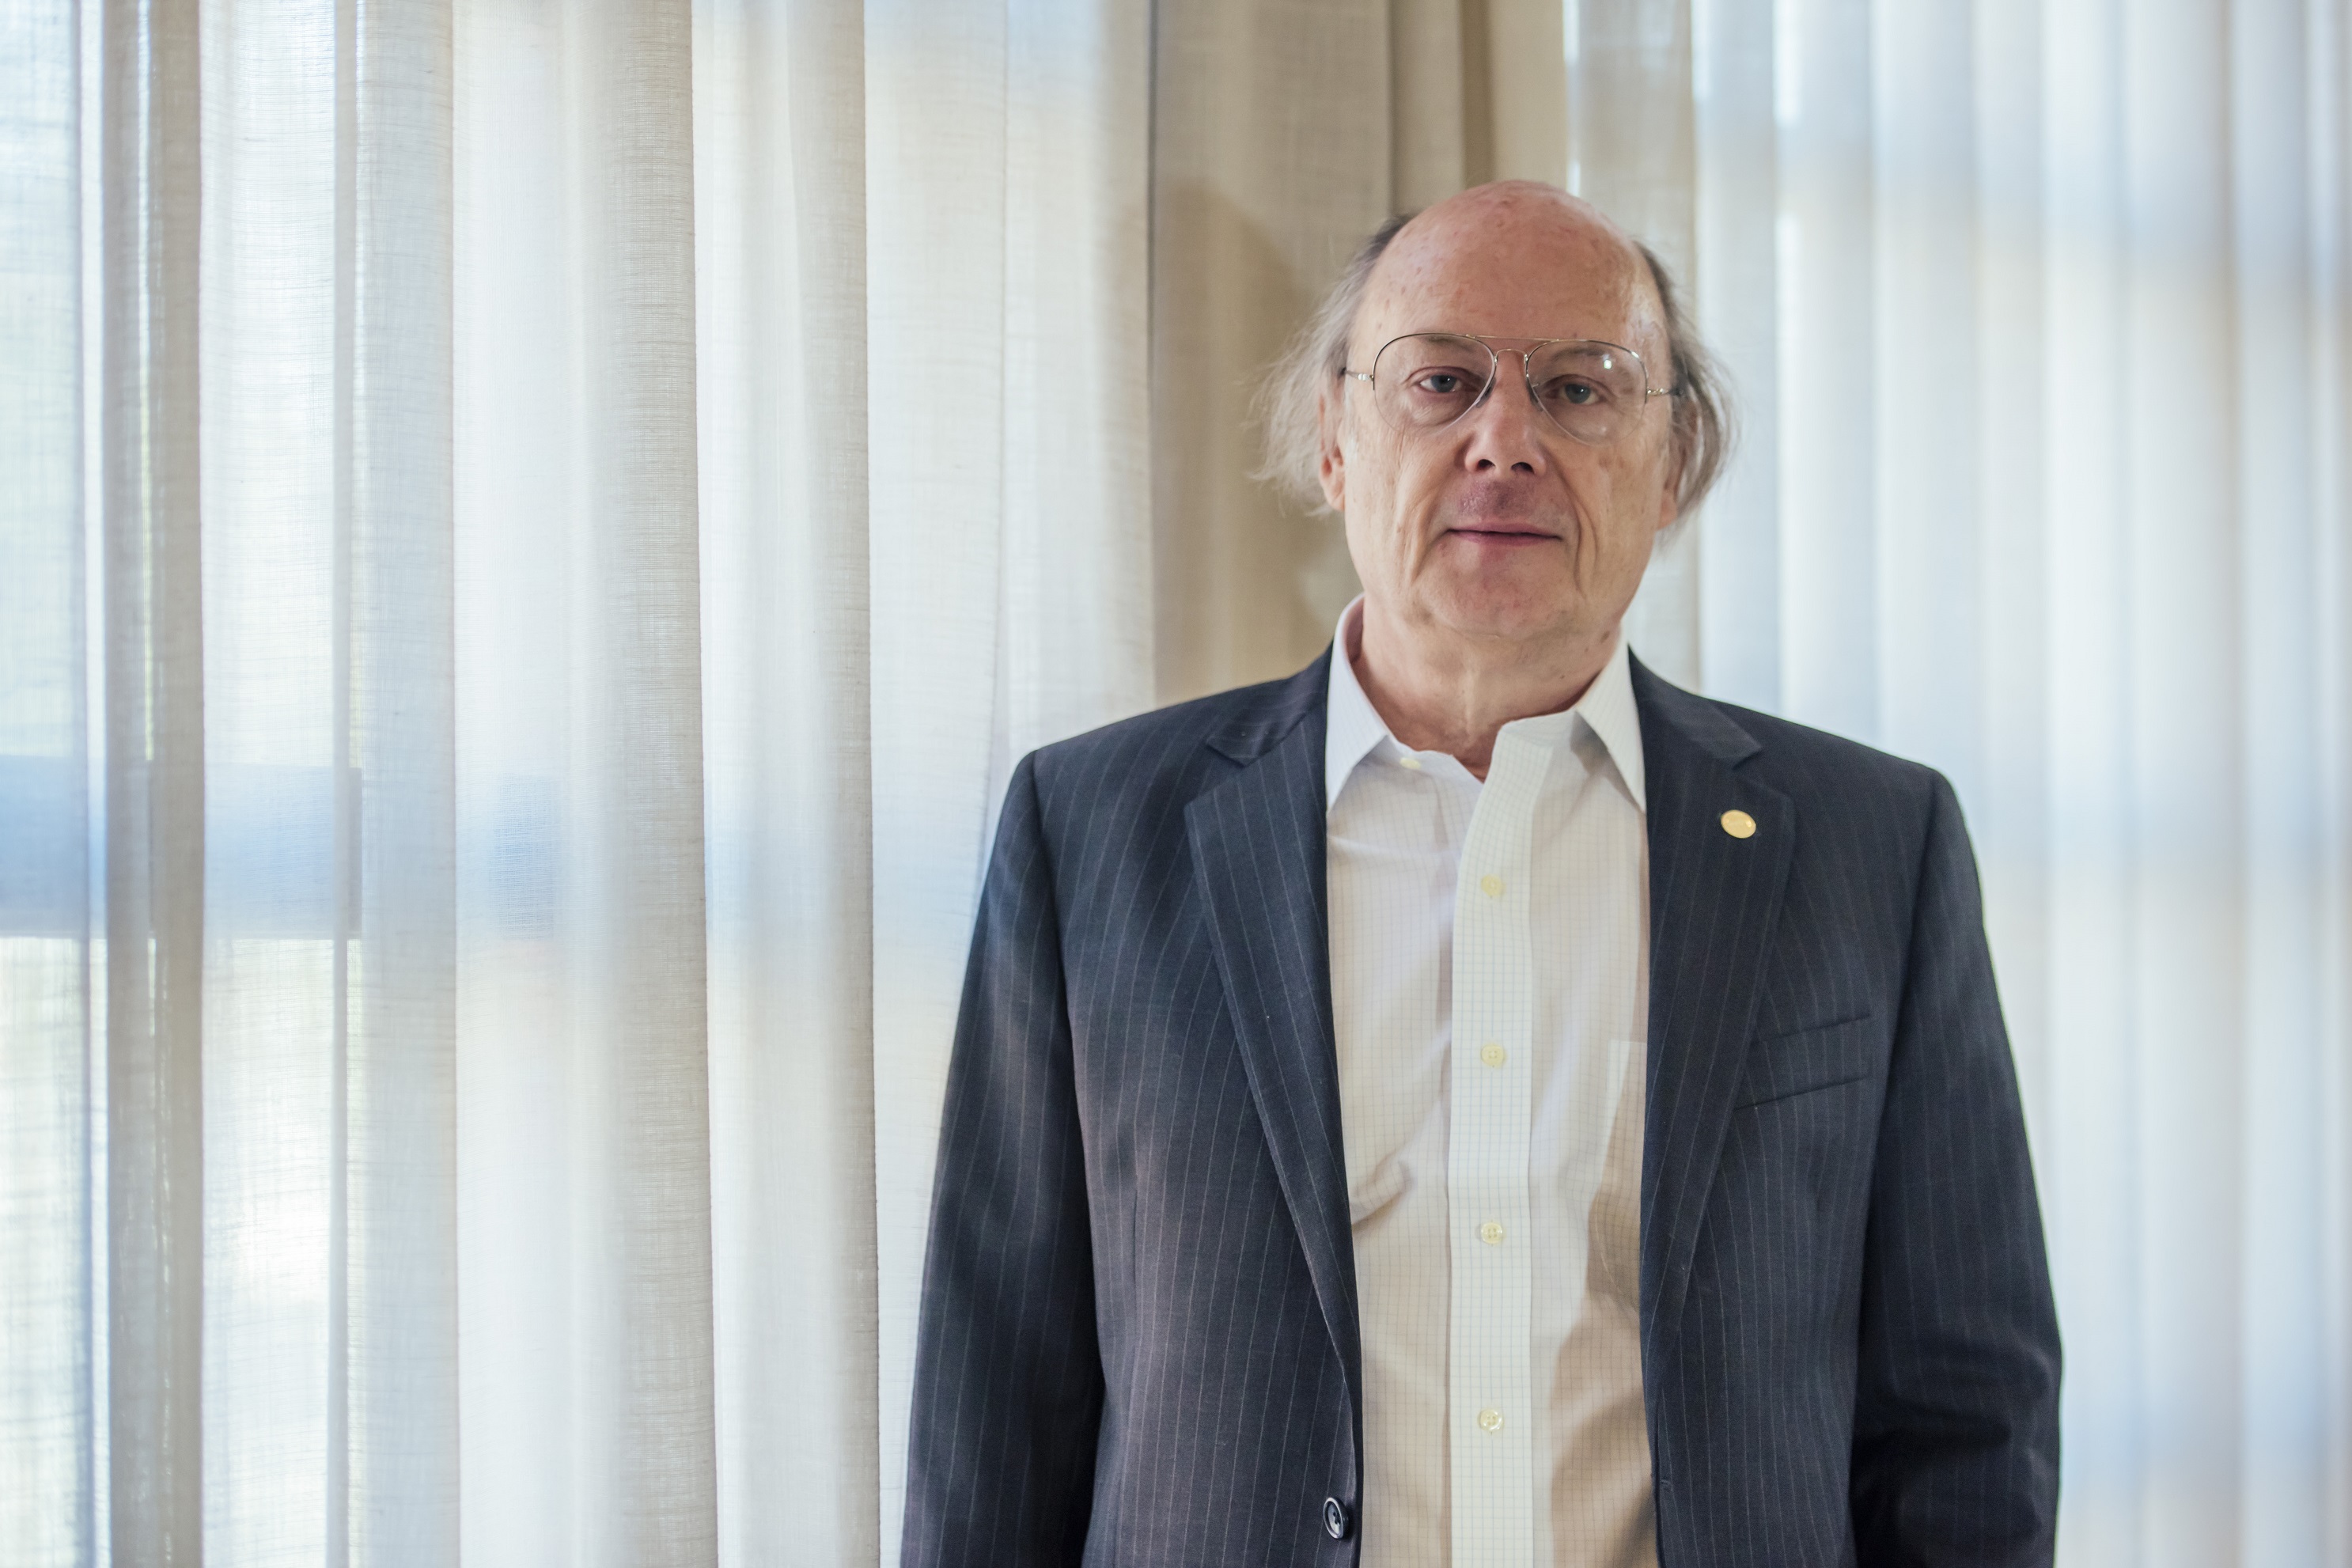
<point x="1491" y="1233"/>
<point x="1491" y="885"/>
<point x="1491" y="1054"/>
<point x="1335" y="1519"/>
<point x="1491" y="1420"/>
<point x="1410" y="761"/>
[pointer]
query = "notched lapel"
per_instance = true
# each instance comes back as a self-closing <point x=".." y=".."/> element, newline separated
<point x="1257" y="846"/>
<point x="1714" y="904"/>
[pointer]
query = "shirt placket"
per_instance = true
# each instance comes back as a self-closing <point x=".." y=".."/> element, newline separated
<point x="1492" y="1417"/>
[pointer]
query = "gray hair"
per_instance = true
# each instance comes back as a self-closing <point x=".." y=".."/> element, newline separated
<point x="1289" y="400"/>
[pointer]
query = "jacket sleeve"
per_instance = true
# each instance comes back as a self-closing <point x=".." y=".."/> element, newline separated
<point x="1008" y="1379"/>
<point x="1956" y="1420"/>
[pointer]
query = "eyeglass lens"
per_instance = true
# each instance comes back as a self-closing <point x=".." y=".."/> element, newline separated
<point x="1592" y="391"/>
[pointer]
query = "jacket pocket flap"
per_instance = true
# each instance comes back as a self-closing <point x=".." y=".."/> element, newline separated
<point x="1818" y="1057"/>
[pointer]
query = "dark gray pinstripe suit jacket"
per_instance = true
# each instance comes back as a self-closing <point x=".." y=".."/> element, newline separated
<point x="1139" y="1332"/>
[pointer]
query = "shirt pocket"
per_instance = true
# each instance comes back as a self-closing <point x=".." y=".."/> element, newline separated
<point x="1826" y="1056"/>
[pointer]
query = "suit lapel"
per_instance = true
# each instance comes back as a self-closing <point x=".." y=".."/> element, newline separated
<point x="1258" y="848"/>
<point x="1715" y="902"/>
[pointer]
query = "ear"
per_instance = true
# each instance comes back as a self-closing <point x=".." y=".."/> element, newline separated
<point x="1670" y="493"/>
<point x="1331" y="468"/>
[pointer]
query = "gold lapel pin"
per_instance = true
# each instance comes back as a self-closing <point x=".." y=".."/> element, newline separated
<point x="1738" y="824"/>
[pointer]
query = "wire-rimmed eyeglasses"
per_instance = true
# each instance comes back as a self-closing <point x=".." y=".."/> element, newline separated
<point x="1591" y="392"/>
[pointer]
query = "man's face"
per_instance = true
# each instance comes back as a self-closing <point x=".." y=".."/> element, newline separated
<point x="1501" y="527"/>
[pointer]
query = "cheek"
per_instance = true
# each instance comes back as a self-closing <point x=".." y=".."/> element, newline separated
<point x="1380" y="484"/>
<point x="1623" y="493"/>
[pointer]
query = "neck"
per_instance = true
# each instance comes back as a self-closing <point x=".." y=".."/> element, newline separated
<point x="1440" y="692"/>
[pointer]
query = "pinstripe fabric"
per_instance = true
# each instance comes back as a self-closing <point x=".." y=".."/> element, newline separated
<point x="1139" y="1340"/>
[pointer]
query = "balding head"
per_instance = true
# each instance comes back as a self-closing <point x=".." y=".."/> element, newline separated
<point x="1498" y="261"/>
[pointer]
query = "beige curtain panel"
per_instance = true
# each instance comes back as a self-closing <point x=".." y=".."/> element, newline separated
<point x="531" y="535"/>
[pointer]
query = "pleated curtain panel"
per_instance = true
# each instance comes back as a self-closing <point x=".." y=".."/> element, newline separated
<point x="531" y="536"/>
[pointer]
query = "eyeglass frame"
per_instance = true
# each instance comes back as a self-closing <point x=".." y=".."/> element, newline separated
<point x="1527" y="373"/>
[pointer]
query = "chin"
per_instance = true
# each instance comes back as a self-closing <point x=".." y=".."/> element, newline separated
<point x="1518" y="606"/>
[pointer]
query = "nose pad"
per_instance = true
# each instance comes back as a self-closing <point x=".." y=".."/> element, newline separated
<point x="1527" y="380"/>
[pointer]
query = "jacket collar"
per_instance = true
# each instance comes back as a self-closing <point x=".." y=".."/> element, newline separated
<point x="1265" y="714"/>
<point x="1703" y="723"/>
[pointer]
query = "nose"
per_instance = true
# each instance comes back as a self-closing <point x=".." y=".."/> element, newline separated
<point x="1505" y="430"/>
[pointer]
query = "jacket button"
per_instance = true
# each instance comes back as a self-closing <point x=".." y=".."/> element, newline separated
<point x="1335" y="1519"/>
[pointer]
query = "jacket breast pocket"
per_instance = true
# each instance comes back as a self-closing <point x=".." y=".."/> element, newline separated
<point x="1823" y="1056"/>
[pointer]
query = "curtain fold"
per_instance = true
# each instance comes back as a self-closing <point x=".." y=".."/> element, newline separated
<point x="327" y="1369"/>
<point x="53" y="1241"/>
<point x="156" y="780"/>
<point x="787" y="697"/>
<point x="587" y="1398"/>
<point x="1242" y="243"/>
<point x="1009" y="504"/>
<point x="392" y="1473"/>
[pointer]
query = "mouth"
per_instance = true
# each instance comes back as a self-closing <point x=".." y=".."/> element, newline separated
<point x="1504" y="536"/>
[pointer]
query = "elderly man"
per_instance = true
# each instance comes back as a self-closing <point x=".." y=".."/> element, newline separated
<point x="1471" y="1102"/>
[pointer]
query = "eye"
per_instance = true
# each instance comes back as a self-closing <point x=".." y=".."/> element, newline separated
<point x="1442" y="382"/>
<point x="1573" y="393"/>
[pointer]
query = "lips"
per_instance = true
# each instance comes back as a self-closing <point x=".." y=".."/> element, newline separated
<point x="1505" y="535"/>
<point x="1501" y="516"/>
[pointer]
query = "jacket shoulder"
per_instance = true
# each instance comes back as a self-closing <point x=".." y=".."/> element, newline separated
<point x="1180" y="739"/>
<point x="1813" y="767"/>
<point x="1800" y="754"/>
<point x="1775" y="748"/>
<point x="1177" y="725"/>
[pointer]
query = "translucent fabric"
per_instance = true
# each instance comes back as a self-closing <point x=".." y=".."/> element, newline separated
<point x="504" y="684"/>
<point x="480" y="672"/>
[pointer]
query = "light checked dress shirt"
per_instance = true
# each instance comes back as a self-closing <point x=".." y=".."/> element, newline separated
<point x="1490" y="988"/>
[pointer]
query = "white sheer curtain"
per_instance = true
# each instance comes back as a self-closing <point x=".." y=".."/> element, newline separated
<point x="499" y="732"/>
<point x="531" y="535"/>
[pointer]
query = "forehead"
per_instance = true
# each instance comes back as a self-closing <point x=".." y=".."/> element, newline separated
<point x="1517" y="270"/>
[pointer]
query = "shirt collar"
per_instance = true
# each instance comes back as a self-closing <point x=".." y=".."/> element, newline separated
<point x="1353" y="727"/>
<point x="1607" y="708"/>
